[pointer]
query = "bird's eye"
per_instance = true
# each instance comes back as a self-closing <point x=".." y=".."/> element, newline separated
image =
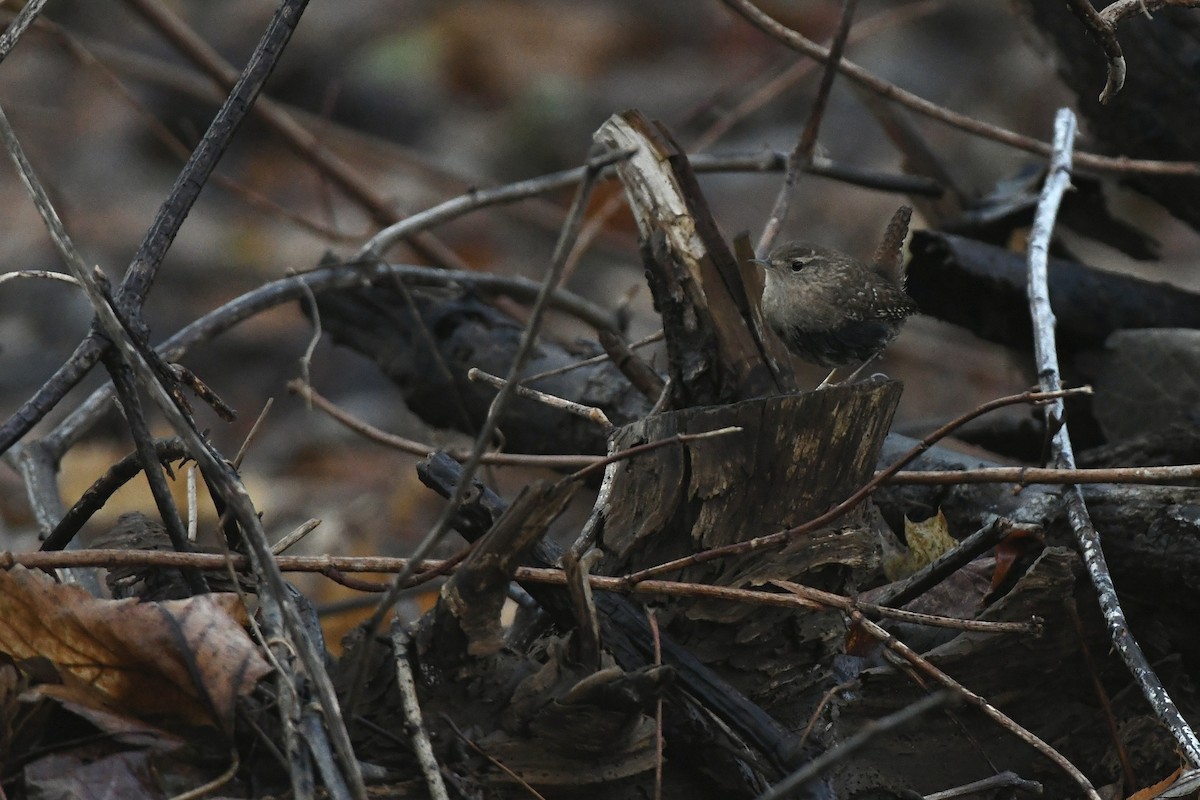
<point x="797" y="265"/>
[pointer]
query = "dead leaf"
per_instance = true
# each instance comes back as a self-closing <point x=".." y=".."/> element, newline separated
<point x="926" y="541"/>
<point x="187" y="659"/>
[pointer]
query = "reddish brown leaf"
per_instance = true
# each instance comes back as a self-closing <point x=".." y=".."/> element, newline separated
<point x="188" y="659"/>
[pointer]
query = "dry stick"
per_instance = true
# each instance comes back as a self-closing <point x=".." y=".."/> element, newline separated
<point x="850" y="502"/>
<point x="483" y="439"/>
<point x="421" y="448"/>
<point x="254" y="429"/>
<point x="590" y="413"/>
<point x="850" y="746"/>
<point x="1001" y="780"/>
<point x="922" y="106"/>
<point x="38" y="273"/>
<point x="116" y="362"/>
<point x="293" y="537"/>
<point x="900" y="593"/>
<point x="379" y="243"/>
<point x="1117" y="11"/>
<point x="807" y="143"/>
<point x="1102" y="28"/>
<point x="1046" y="355"/>
<point x="285" y="629"/>
<point x="1033" y="628"/>
<point x="87" y="59"/>
<point x="140" y="274"/>
<point x="802" y="597"/>
<point x="652" y="619"/>
<point x="657" y="336"/>
<point x="638" y="449"/>
<point x="764" y="94"/>
<point x="912" y="657"/>
<point x="298" y="286"/>
<point x="1028" y="476"/>
<point x="1103" y="33"/>
<point x="24" y="18"/>
<point x="773" y="161"/>
<point x="759" y="97"/>
<point x="104" y="487"/>
<point x="131" y="407"/>
<point x="302" y="140"/>
<point x="883" y="609"/>
<point x="516" y="778"/>
<point x="415" y="723"/>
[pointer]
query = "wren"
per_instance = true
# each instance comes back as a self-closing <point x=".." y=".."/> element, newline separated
<point x="831" y="309"/>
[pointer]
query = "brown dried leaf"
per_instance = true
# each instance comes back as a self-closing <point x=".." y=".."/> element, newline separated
<point x="91" y="705"/>
<point x="188" y="659"/>
<point x="926" y="541"/>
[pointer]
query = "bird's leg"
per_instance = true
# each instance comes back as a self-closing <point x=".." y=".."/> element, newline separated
<point x="850" y="378"/>
<point x="846" y="380"/>
<point x="827" y="382"/>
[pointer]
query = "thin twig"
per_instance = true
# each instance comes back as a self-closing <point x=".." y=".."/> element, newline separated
<point x="639" y="449"/>
<point x="798" y="597"/>
<point x="1029" y="476"/>
<point x="1001" y="780"/>
<point x="303" y="141"/>
<point x="23" y="20"/>
<point x="415" y="723"/>
<point x="423" y="449"/>
<point x="380" y="242"/>
<point x="104" y="487"/>
<point x="802" y="153"/>
<point x="1103" y="33"/>
<point x="853" y="744"/>
<point x="590" y="413"/>
<point x="38" y="273"/>
<point x="1046" y="358"/>
<point x="657" y="336"/>
<point x="254" y="429"/>
<point x="902" y="650"/>
<point x="798" y="42"/>
<point x="652" y="619"/>
<point x="285" y="629"/>
<point x="848" y="604"/>
<point x="1117" y="11"/>
<point x="295" y="536"/>
<point x="295" y="287"/>
<point x="749" y="102"/>
<point x="488" y="428"/>
<point x="141" y="272"/>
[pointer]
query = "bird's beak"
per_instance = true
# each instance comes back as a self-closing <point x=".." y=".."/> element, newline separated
<point x="762" y="262"/>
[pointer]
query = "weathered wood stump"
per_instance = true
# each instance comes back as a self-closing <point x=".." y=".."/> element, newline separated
<point x="796" y="456"/>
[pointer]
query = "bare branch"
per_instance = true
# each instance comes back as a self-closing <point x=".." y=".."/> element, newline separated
<point x="1046" y="358"/>
<point x="961" y="121"/>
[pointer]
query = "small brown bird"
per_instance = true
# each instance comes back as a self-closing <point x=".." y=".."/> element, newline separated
<point x="831" y="309"/>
